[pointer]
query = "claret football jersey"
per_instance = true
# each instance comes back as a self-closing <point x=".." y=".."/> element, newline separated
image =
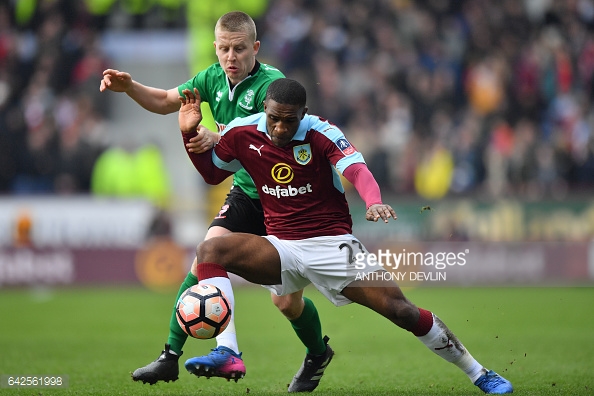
<point x="227" y="103"/>
<point x="299" y="184"/>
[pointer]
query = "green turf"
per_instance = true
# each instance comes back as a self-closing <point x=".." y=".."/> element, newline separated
<point x="539" y="338"/>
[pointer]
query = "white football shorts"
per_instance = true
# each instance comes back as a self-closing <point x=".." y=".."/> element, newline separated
<point x="327" y="262"/>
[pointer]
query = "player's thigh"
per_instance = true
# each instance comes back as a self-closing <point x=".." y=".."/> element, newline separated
<point x="250" y="256"/>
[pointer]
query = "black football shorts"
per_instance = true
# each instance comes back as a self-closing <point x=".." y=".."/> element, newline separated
<point x="240" y="213"/>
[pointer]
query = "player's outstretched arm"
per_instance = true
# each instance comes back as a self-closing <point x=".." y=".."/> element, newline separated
<point x="116" y="81"/>
<point x="189" y="118"/>
<point x="155" y="100"/>
<point x="360" y="176"/>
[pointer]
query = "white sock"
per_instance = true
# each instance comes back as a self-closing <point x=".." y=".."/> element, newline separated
<point x="444" y="343"/>
<point x="227" y="338"/>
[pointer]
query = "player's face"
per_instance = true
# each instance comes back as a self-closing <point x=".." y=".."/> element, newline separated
<point x="282" y="121"/>
<point x="236" y="53"/>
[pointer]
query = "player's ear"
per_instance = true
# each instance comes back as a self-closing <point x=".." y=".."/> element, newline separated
<point x="256" y="47"/>
<point x="304" y="112"/>
<point x="214" y="44"/>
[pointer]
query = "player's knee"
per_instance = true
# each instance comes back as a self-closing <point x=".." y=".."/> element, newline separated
<point x="209" y="251"/>
<point x="291" y="308"/>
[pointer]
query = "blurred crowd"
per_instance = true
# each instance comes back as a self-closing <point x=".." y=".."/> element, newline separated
<point x="50" y="120"/>
<point x="450" y="97"/>
<point x="490" y="98"/>
<point x="53" y="137"/>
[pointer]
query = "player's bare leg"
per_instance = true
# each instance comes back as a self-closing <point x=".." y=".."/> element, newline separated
<point x="302" y="314"/>
<point x="210" y="254"/>
<point x="387" y="299"/>
<point x="255" y="259"/>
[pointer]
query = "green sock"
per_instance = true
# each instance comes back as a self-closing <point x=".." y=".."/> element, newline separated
<point x="309" y="329"/>
<point x="177" y="337"/>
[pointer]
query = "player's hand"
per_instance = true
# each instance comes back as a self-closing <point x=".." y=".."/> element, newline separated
<point x="204" y="141"/>
<point x="190" y="114"/>
<point x="115" y="81"/>
<point x="380" y="211"/>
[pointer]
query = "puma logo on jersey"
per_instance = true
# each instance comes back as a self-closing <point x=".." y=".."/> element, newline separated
<point x="252" y="147"/>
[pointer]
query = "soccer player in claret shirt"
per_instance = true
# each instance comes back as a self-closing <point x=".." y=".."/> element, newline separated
<point x="294" y="159"/>
<point x="233" y="87"/>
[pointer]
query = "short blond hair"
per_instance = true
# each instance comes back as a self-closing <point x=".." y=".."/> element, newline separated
<point x="237" y="21"/>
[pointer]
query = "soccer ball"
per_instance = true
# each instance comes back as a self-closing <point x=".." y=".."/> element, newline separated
<point x="203" y="311"/>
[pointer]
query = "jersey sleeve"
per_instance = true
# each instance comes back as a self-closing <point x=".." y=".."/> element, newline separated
<point x="199" y="82"/>
<point x="365" y="184"/>
<point x="221" y="161"/>
<point x="204" y="164"/>
<point x="223" y="155"/>
<point x="338" y="149"/>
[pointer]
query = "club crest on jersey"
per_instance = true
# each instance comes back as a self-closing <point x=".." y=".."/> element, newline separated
<point x="345" y="146"/>
<point x="247" y="100"/>
<point x="302" y="154"/>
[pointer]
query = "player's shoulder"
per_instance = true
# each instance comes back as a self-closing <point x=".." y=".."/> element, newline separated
<point x="270" y="72"/>
<point x="212" y="73"/>
<point x="215" y="67"/>
<point x="323" y="127"/>
<point x="239" y="122"/>
<point x="329" y="135"/>
<point x="214" y="70"/>
<point x="205" y="80"/>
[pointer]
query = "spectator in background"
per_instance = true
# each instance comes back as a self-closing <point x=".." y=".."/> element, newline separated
<point x="50" y="51"/>
<point x="49" y="149"/>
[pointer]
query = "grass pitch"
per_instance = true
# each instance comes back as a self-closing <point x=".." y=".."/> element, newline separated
<point x="539" y="338"/>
